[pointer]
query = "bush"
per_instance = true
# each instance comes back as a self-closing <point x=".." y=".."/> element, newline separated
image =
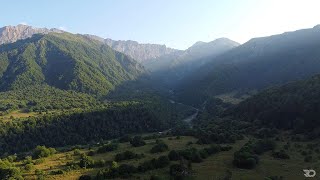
<point x="127" y="155"/>
<point x="76" y="152"/>
<point x="91" y="153"/>
<point x="161" y="162"/>
<point x="137" y="141"/>
<point x="28" y="167"/>
<point x="86" y="161"/>
<point x="160" y="147"/>
<point x="179" y="171"/>
<point x="191" y="154"/>
<point x="108" y="148"/>
<point x="56" y="172"/>
<point x="42" y="151"/>
<point x="173" y="155"/>
<point x="281" y="155"/>
<point x="39" y="161"/>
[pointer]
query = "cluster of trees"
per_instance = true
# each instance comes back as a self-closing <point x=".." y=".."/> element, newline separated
<point x="248" y="156"/>
<point x="294" y="106"/>
<point x="195" y="155"/>
<point x="159" y="147"/>
<point x="78" y="128"/>
<point x="137" y="141"/>
<point x="108" y="147"/>
<point x="43" y="151"/>
<point x="41" y="98"/>
<point x="127" y="155"/>
<point x="125" y="170"/>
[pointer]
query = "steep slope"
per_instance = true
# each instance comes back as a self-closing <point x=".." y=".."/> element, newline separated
<point x="65" y="61"/>
<point x="10" y="34"/>
<point x="174" y="67"/>
<point x="292" y="106"/>
<point x="140" y="52"/>
<point x="259" y="63"/>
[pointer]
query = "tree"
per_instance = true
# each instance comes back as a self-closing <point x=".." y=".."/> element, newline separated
<point x="86" y="161"/>
<point x="160" y="147"/>
<point x="137" y="141"/>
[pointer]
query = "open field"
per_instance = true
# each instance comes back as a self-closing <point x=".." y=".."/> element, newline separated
<point x="213" y="168"/>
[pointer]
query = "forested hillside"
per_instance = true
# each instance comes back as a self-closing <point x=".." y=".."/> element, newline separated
<point x="259" y="63"/>
<point x="65" y="61"/>
<point x="294" y="106"/>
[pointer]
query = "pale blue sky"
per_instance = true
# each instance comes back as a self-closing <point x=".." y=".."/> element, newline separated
<point x="176" y="23"/>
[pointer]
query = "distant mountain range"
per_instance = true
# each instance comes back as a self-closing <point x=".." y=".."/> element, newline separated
<point x="170" y="69"/>
<point x="137" y="51"/>
<point x="259" y="63"/>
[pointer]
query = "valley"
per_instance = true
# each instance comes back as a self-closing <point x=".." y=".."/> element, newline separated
<point x="77" y="106"/>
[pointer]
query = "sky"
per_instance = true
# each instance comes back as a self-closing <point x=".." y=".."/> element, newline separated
<point x="175" y="23"/>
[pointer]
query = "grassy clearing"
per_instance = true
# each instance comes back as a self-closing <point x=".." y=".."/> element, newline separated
<point x="17" y="114"/>
<point x="212" y="168"/>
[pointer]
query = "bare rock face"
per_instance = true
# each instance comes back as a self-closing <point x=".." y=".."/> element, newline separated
<point x="10" y="34"/>
<point x="140" y="52"/>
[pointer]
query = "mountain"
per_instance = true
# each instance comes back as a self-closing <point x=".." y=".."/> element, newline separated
<point x="197" y="52"/>
<point x="174" y="67"/>
<point x="294" y="106"/>
<point x="65" y="61"/>
<point x="140" y="52"/>
<point x="259" y="63"/>
<point x="10" y="34"/>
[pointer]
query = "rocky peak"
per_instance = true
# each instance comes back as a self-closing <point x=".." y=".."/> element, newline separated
<point x="10" y="34"/>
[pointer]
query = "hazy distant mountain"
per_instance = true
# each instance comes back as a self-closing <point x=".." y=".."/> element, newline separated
<point x="259" y="63"/>
<point x="199" y="52"/>
<point x="65" y="61"/>
<point x="139" y="52"/>
<point x="10" y="34"/>
<point x="174" y="67"/>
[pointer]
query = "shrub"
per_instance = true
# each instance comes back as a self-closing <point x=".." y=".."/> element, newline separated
<point x="173" y="155"/>
<point x="42" y="151"/>
<point x="91" y="153"/>
<point x="39" y="161"/>
<point x="160" y="147"/>
<point x="127" y="155"/>
<point x="108" y="148"/>
<point x="76" y="152"/>
<point x="86" y="161"/>
<point x="191" y="154"/>
<point x="28" y="167"/>
<point x="56" y="172"/>
<point x="137" y="141"/>
<point x="281" y="155"/>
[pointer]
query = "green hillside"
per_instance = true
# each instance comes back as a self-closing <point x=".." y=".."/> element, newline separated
<point x="65" y="61"/>
<point x="294" y="106"/>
